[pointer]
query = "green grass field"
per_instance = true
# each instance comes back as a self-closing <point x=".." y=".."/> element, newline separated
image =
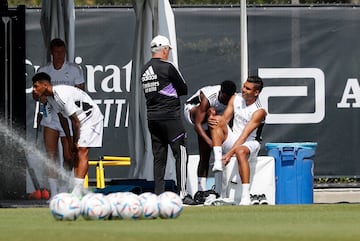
<point x="338" y="222"/>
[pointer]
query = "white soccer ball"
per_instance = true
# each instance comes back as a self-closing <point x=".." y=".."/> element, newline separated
<point x="150" y="204"/>
<point x="130" y="206"/>
<point x="115" y="202"/>
<point x="95" y="207"/>
<point x="83" y="201"/>
<point x="170" y="205"/>
<point x="65" y="206"/>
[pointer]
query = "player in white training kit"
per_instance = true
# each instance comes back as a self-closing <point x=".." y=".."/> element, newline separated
<point x="244" y="138"/>
<point x="86" y="121"/>
<point x="195" y="112"/>
<point x="62" y="73"/>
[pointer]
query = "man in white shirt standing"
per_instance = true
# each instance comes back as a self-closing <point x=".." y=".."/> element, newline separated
<point x="61" y="72"/>
<point x="86" y="121"/>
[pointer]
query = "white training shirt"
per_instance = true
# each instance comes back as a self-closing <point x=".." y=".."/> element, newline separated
<point x="69" y="100"/>
<point x="212" y="94"/>
<point x="69" y="74"/>
<point x="243" y="114"/>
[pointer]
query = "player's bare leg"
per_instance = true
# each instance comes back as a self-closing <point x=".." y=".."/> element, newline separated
<point x="81" y="169"/>
<point x="218" y="135"/>
<point x="242" y="154"/>
<point x="51" y="138"/>
<point x="68" y="164"/>
<point x="203" y="167"/>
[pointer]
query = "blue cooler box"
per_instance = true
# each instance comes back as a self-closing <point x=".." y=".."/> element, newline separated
<point x="294" y="175"/>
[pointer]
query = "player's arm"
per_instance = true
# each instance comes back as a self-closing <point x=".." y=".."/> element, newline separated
<point x="65" y="125"/>
<point x="229" y="110"/>
<point x="75" y="122"/>
<point x="178" y="81"/>
<point x="225" y="117"/>
<point x="257" y="118"/>
<point x="79" y="79"/>
<point x="200" y="117"/>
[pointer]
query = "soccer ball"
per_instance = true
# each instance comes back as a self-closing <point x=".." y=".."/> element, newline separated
<point x="150" y="204"/>
<point x="130" y="206"/>
<point x="65" y="206"/>
<point x="83" y="201"/>
<point x="95" y="206"/>
<point x="115" y="202"/>
<point x="170" y="205"/>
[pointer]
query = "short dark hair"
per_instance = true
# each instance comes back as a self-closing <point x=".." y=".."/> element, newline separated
<point x="56" y="42"/>
<point x="41" y="76"/>
<point x="228" y="87"/>
<point x="257" y="81"/>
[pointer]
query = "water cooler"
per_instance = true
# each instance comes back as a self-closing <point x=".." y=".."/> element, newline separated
<point x="294" y="171"/>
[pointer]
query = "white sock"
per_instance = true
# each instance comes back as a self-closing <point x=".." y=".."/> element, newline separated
<point x="79" y="181"/>
<point x="78" y="187"/>
<point x="53" y="186"/>
<point x="245" y="190"/>
<point x="201" y="183"/>
<point x="217" y="153"/>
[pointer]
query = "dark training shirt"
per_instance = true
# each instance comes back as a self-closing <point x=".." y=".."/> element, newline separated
<point x="163" y="85"/>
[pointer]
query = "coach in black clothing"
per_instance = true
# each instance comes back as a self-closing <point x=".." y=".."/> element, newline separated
<point x="163" y="85"/>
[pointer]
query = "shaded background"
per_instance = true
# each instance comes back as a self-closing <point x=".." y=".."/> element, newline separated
<point x="208" y="42"/>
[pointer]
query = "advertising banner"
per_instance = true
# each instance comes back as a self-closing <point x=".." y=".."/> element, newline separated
<point x="307" y="57"/>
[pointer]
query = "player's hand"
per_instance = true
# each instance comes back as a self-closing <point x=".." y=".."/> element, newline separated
<point x="226" y="158"/>
<point x="214" y="120"/>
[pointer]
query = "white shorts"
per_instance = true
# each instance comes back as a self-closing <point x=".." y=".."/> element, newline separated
<point x="187" y="108"/>
<point x="91" y="136"/>
<point x="253" y="145"/>
<point x="51" y="120"/>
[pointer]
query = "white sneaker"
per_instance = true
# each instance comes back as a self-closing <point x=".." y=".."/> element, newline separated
<point x="254" y="199"/>
<point x="245" y="201"/>
<point x="218" y="166"/>
<point x="223" y="202"/>
<point x="209" y="200"/>
<point x="262" y="199"/>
